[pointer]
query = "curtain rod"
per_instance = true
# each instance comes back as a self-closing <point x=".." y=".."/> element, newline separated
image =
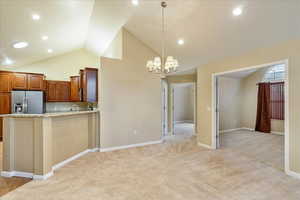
<point x="278" y="82"/>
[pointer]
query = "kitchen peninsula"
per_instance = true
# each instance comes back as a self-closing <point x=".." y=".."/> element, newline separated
<point x="35" y="145"/>
<point x="47" y="123"/>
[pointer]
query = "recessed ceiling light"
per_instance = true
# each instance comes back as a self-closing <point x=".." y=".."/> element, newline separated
<point x="49" y="50"/>
<point x="135" y="2"/>
<point x="237" y="11"/>
<point x="45" y="37"/>
<point x="20" y="45"/>
<point x="36" y="17"/>
<point x="180" y="42"/>
<point x="7" y="61"/>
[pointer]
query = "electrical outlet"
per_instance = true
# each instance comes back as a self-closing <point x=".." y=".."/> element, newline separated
<point x="135" y="132"/>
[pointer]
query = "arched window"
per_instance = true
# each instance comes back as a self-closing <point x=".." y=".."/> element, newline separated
<point x="275" y="73"/>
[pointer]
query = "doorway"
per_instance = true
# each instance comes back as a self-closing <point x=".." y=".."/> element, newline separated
<point x="183" y="109"/>
<point x="235" y="130"/>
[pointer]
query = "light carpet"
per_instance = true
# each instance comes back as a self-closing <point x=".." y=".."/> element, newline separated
<point x="161" y="172"/>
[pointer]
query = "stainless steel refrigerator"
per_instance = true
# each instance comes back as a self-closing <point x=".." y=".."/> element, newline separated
<point x="28" y="102"/>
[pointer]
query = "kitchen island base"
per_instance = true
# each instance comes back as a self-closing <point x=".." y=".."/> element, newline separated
<point x="35" y="146"/>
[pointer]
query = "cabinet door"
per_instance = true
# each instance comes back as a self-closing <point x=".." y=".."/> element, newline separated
<point x="19" y="81"/>
<point x="75" y="88"/>
<point x="1" y="128"/>
<point x="51" y="91"/>
<point x="35" y="82"/>
<point x="63" y="91"/>
<point x="90" y="85"/>
<point x="5" y="82"/>
<point x="5" y="103"/>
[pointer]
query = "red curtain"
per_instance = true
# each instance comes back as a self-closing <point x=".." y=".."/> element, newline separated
<point x="277" y="100"/>
<point x="263" y="115"/>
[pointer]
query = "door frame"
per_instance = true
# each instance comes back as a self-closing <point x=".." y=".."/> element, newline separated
<point x="172" y="104"/>
<point x="164" y="110"/>
<point x="215" y="112"/>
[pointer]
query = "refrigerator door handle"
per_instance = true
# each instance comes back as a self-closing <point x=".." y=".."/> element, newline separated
<point x="25" y="105"/>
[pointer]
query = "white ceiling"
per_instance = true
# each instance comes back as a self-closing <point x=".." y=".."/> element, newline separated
<point x="210" y="30"/>
<point x="65" y="22"/>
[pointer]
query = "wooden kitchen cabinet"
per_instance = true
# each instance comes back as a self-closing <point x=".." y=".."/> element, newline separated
<point x="4" y="108"/>
<point x="58" y="91"/>
<point x="1" y="128"/>
<point x="35" y="82"/>
<point x="75" y="92"/>
<point x="89" y="84"/>
<point x="19" y="81"/>
<point x="27" y="81"/>
<point x="5" y="81"/>
<point x="5" y="102"/>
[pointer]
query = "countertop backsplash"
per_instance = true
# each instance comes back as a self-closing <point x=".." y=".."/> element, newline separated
<point x="68" y="106"/>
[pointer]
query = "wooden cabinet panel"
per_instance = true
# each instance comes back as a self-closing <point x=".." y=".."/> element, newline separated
<point x="90" y="84"/>
<point x="5" y="82"/>
<point x="51" y="91"/>
<point x="58" y="91"/>
<point x="35" y="82"/>
<point x="5" y="103"/>
<point x="1" y="128"/>
<point x="75" y="89"/>
<point x="19" y="81"/>
<point x="63" y="91"/>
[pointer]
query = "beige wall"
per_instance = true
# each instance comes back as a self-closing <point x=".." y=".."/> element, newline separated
<point x="130" y="97"/>
<point x="183" y="102"/>
<point x="115" y="50"/>
<point x="249" y="102"/>
<point x="288" y="50"/>
<point x="63" y="66"/>
<point x="230" y="94"/>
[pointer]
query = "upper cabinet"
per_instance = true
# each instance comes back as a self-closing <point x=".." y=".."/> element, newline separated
<point x="35" y="82"/>
<point x="89" y="84"/>
<point x="24" y="81"/>
<point x="75" y="88"/>
<point x="58" y="91"/>
<point x="19" y="81"/>
<point x="5" y="82"/>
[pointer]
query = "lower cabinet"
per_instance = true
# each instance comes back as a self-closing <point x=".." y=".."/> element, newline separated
<point x="58" y="91"/>
<point x="4" y="108"/>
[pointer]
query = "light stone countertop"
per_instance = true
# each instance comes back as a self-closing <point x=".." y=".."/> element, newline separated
<point x="54" y="114"/>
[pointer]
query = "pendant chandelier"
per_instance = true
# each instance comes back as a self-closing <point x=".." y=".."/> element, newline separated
<point x="163" y="64"/>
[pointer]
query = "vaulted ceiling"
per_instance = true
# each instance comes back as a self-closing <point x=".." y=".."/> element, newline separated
<point x="208" y="27"/>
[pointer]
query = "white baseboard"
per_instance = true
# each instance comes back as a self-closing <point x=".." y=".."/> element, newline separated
<point x="61" y="164"/>
<point x="51" y="173"/>
<point x="16" y="173"/>
<point x="247" y="129"/>
<point x="129" y="146"/>
<point x="277" y="133"/>
<point x="205" y="145"/>
<point x="43" y="177"/>
<point x="184" y="121"/>
<point x="230" y="130"/>
<point x="293" y="174"/>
